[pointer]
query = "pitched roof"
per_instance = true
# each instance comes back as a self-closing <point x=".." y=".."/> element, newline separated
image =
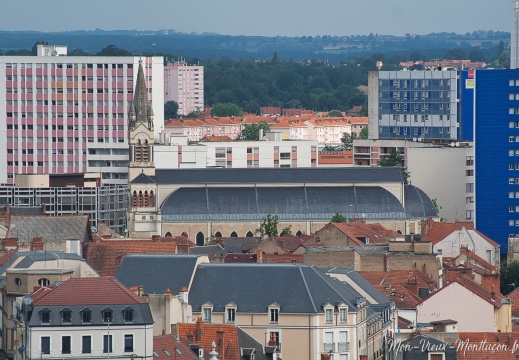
<point x="335" y="157"/>
<point x="25" y="259"/>
<point x="514" y="298"/>
<point x="401" y="296"/>
<point x="153" y="272"/>
<point x="288" y="243"/>
<point x="142" y="178"/>
<point x="487" y="345"/>
<point x="244" y="285"/>
<point x="177" y="348"/>
<point x="437" y="231"/>
<point x="49" y="228"/>
<point x="229" y="347"/>
<point x="215" y="138"/>
<point x="399" y="277"/>
<point x="89" y="291"/>
<point x="105" y="256"/>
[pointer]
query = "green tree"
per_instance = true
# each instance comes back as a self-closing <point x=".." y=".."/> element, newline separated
<point x="363" y="133"/>
<point x="226" y="109"/>
<point x="347" y="140"/>
<point x="269" y="225"/>
<point x="509" y="276"/>
<point x="286" y="231"/>
<point x="334" y="113"/>
<point x="338" y="218"/>
<point x="275" y="57"/>
<point x="170" y="109"/>
<point x="252" y="131"/>
<point x="112" y="50"/>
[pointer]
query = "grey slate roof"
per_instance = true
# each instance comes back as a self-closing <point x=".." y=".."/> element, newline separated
<point x="15" y="210"/>
<point x="359" y="280"/>
<point x="143" y="179"/>
<point x="417" y="203"/>
<point x="155" y="272"/>
<point x="50" y="228"/>
<point x="254" y="287"/>
<point x="279" y="175"/>
<point x="238" y="245"/>
<point x="209" y="250"/>
<point x="30" y="257"/>
<point x="291" y="203"/>
<point x="247" y="344"/>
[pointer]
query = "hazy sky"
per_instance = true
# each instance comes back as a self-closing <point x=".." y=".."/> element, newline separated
<point x="259" y="17"/>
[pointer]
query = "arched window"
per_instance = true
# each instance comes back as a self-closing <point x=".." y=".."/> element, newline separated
<point x="145" y="151"/>
<point x="299" y="233"/>
<point x="200" y="239"/>
<point x="43" y="282"/>
<point x="134" y="199"/>
<point x="249" y="234"/>
<point x="140" y="200"/>
<point x="145" y="199"/>
<point x="218" y="234"/>
<point x="138" y="152"/>
<point x="233" y="234"/>
<point x="152" y="199"/>
<point x="184" y="234"/>
<point x="168" y="234"/>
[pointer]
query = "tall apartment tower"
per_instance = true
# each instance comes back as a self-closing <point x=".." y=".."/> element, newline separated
<point x="69" y="114"/>
<point x="184" y="84"/>
<point x="417" y="105"/>
<point x="514" y="41"/>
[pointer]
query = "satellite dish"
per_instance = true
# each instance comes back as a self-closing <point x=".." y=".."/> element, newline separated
<point x="414" y="139"/>
<point x="457" y="144"/>
<point x="54" y="53"/>
<point x="420" y="138"/>
<point x="94" y="230"/>
<point x="452" y="144"/>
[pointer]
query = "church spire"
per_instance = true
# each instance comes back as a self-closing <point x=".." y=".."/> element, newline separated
<point x="140" y="109"/>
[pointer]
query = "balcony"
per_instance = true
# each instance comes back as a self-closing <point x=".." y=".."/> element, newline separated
<point x="344" y="346"/>
<point x="329" y="347"/>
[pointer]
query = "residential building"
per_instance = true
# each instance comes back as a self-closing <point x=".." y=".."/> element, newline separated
<point x="90" y="318"/>
<point x="413" y="104"/>
<point x="488" y="310"/>
<point x="236" y="154"/>
<point x="68" y="114"/>
<point x="21" y="272"/>
<point x="444" y="171"/>
<point x="451" y="239"/>
<point x="184" y="84"/>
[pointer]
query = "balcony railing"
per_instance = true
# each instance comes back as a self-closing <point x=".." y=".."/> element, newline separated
<point x="344" y="346"/>
<point x="329" y="347"/>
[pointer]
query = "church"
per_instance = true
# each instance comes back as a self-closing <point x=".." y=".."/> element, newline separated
<point x="200" y="203"/>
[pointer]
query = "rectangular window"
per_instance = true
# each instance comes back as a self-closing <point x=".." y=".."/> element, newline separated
<point x="45" y="345"/>
<point x="128" y="343"/>
<point x="86" y="344"/>
<point x="107" y="344"/>
<point x="343" y="315"/>
<point x="231" y="314"/>
<point x="207" y="315"/>
<point x="284" y="156"/>
<point x="274" y="315"/>
<point x="65" y="344"/>
<point x="329" y="315"/>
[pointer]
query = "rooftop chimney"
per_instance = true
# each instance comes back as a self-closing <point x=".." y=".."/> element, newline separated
<point x="37" y="244"/>
<point x="259" y="256"/>
<point x="155" y="238"/>
<point x="199" y="329"/>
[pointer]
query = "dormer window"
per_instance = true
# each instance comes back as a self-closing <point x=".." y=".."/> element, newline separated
<point x="45" y="316"/>
<point x="66" y="316"/>
<point x="230" y="313"/>
<point x="343" y="314"/>
<point x="128" y="315"/>
<point x="207" y="311"/>
<point x="274" y="313"/>
<point x="329" y="315"/>
<point x="86" y="316"/>
<point x="107" y="315"/>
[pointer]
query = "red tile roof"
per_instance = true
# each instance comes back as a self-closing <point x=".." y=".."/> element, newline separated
<point x="336" y="157"/>
<point x="170" y="344"/>
<point x="487" y="345"/>
<point x="514" y="298"/>
<point x="401" y="296"/>
<point x="106" y="256"/>
<point x="7" y="256"/>
<point x="227" y="350"/>
<point x="89" y="291"/>
<point x="437" y="231"/>
<point x="404" y="278"/>
<point x="215" y="138"/>
<point x="289" y="243"/>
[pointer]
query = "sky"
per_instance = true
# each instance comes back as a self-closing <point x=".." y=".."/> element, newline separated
<point x="260" y="17"/>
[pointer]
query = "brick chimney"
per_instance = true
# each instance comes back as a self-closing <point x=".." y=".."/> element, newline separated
<point x="412" y="284"/>
<point x="220" y="345"/>
<point x="427" y="226"/>
<point x="199" y="329"/>
<point x="259" y="256"/>
<point x="183" y="249"/>
<point x="37" y="243"/>
<point x="155" y="238"/>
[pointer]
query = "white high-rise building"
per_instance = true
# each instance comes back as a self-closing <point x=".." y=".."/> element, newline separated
<point x="69" y="114"/>
<point x="184" y="84"/>
<point x="514" y="41"/>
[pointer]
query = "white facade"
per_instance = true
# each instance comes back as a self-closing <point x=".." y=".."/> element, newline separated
<point x="471" y="239"/>
<point x="68" y="114"/>
<point x="236" y="154"/>
<point x="184" y="84"/>
<point x="142" y="336"/>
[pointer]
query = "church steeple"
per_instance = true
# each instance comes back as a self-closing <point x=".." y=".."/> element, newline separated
<point x="140" y="109"/>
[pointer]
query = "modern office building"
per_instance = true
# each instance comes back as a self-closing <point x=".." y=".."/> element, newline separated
<point x="184" y="84"/>
<point x="490" y="101"/>
<point x="420" y="105"/>
<point x="69" y="114"/>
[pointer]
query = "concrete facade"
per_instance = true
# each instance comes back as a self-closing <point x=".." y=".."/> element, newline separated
<point x="184" y="84"/>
